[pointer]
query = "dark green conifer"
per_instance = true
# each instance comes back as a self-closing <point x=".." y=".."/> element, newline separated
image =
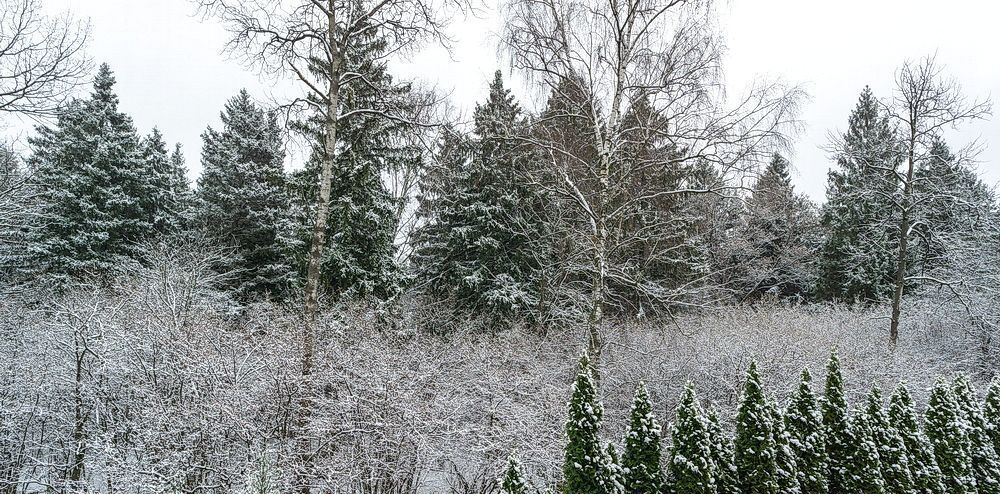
<point x="691" y="469"/>
<point x="894" y="461"/>
<point x="584" y="466"/>
<point x="641" y="458"/>
<point x="985" y="465"/>
<point x="949" y="438"/>
<point x="756" y="454"/>
<point x="804" y="424"/>
<point x="920" y="454"/>
<point x="840" y="442"/>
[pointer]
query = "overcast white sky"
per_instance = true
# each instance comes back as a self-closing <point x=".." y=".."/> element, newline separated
<point x="172" y="74"/>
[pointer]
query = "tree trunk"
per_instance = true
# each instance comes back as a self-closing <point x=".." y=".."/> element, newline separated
<point x="316" y="248"/>
<point x="904" y="227"/>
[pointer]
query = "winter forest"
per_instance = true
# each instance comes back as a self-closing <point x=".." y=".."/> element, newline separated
<point x="612" y="288"/>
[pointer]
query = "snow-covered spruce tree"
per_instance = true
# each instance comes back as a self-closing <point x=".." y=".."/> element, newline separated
<point x="920" y="454"/>
<point x="690" y="469"/>
<point x="513" y="481"/>
<point x="726" y="476"/>
<point x="946" y="430"/>
<point x="782" y="230"/>
<point x="985" y="464"/>
<point x="807" y="440"/>
<point x="584" y="466"/>
<point x="756" y="452"/>
<point x="173" y="192"/>
<point x="489" y="219"/>
<point x="641" y="458"/>
<point x="839" y="439"/>
<point x="787" y="470"/>
<point x="242" y="202"/>
<point x="857" y="260"/>
<point x="864" y="471"/>
<point x="991" y="413"/>
<point x="96" y="189"/>
<point x="892" y="455"/>
<point x="359" y="257"/>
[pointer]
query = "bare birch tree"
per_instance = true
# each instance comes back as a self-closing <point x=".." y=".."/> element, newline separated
<point x="614" y="56"/>
<point x="42" y="58"/>
<point x="310" y="41"/>
<point x="925" y="103"/>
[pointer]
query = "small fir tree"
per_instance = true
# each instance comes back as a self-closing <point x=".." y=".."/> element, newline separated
<point x="691" y="470"/>
<point x="726" y="481"/>
<point x="864" y="470"/>
<point x="756" y="454"/>
<point x="804" y="424"/>
<point x="920" y="454"/>
<point x="787" y="471"/>
<point x="891" y="449"/>
<point x="839" y="441"/>
<point x="985" y="464"/>
<point x="584" y="468"/>
<point x="947" y="433"/>
<point x="641" y="458"/>
<point x="513" y="478"/>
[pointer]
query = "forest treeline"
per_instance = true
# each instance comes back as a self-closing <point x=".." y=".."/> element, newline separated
<point x="484" y="228"/>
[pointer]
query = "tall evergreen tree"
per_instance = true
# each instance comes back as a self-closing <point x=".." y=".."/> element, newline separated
<point x="359" y="257"/>
<point x="172" y="191"/>
<point x="613" y="478"/>
<point x="949" y="438"/>
<point x="97" y="190"/>
<point x="584" y="468"/>
<point x="839" y="438"/>
<point x="892" y="454"/>
<point x="985" y="464"/>
<point x="857" y="259"/>
<point x="691" y="470"/>
<point x="787" y="471"/>
<point x="864" y="470"/>
<point x="920" y="454"/>
<point x="804" y="424"/>
<point x="726" y="475"/>
<point x="756" y="454"/>
<point x="781" y="228"/>
<point x="241" y="199"/>
<point x="491" y="217"/>
<point x="512" y="481"/>
<point x="641" y="457"/>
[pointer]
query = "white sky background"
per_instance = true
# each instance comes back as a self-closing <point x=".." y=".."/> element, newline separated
<point x="172" y="74"/>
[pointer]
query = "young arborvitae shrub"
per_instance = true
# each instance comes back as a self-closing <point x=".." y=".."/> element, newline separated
<point x="584" y="469"/>
<point x="891" y="450"/>
<point x="787" y="472"/>
<point x="755" y="449"/>
<point x="864" y="473"/>
<point x="691" y="470"/>
<point x="991" y="413"/>
<point x="920" y="454"/>
<point x="513" y="478"/>
<point x="839" y="441"/>
<point x="614" y="476"/>
<point x="726" y="481"/>
<point x="946" y="431"/>
<point x="641" y="458"/>
<point x="806" y="438"/>
<point x="985" y="465"/>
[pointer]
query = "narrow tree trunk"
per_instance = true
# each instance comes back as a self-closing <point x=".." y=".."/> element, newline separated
<point x="316" y="248"/>
<point x="78" y="458"/>
<point x="904" y="227"/>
